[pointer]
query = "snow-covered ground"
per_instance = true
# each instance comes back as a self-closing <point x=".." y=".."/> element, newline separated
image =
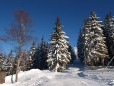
<point x="71" y="77"/>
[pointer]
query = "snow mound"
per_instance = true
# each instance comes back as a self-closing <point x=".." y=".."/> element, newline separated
<point x="70" y="77"/>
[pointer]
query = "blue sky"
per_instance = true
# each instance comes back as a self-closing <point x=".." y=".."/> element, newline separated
<point x="44" y="13"/>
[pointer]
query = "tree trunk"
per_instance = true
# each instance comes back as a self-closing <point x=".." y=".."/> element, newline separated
<point x="2" y="76"/>
<point x="17" y="69"/>
<point x="102" y="61"/>
<point x="18" y="62"/>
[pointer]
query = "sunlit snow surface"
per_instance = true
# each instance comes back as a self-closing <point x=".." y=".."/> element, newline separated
<point x="70" y="77"/>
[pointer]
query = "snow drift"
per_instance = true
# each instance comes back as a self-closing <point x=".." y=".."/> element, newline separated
<point x="71" y="77"/>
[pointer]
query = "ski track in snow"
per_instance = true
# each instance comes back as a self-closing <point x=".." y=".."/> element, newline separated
<point x="70" y="77"/>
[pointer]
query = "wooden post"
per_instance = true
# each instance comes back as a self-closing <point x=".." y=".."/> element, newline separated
<point x="2" y="76"/>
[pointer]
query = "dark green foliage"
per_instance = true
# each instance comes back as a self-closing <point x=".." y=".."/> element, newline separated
<point x="40" y="56"/>
<point x="73" y="56"/>
<point x="35" y="59"/>
<point x="80" y="46"/>
<point x="43" y="55"/>
<point x="109" y="33"/>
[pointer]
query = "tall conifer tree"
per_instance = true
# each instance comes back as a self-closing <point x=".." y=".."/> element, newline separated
<point x="58" y="56"/>
<point x="40" y="56"/>
<point x="80" y="46"/>
<point x="43" y="50"/>
<point x="31" y="56"/>
<point x="99" y="52"/>
<point x="93" y="45"/>
<point x="87" y="40"/>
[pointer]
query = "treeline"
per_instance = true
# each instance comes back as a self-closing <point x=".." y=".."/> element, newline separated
<point x="54" y="55"/>
<point x="96" y="41"/>
<point x="35" y="58"/>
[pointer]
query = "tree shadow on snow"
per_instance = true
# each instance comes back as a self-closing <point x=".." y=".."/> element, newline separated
<point x="81" y="74"/>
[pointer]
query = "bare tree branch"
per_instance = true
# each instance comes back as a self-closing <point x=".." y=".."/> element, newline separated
<point x="19" y="33"/>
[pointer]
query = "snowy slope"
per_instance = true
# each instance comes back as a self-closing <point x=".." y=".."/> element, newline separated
<point x="71" y="77"/>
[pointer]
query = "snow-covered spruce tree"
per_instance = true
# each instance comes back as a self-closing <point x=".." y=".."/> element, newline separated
<point x="58" y="56"/>
<point x="98" y="50"/>
<point x="109" y="33"/>
<point x="87" y="40"/>
<point x="1" y="62"/>
<point x="32" y="52"/>
<point x="10" y="63"/>
<point x="80" y="46"/>
<point x="35" y="57"/>
<point x="5" y="64"/>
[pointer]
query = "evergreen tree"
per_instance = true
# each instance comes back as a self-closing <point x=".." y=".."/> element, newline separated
<point x="10" y="58"/>
<point x="109" y="33"/>
<point x="10" y="63"/>
<point x="43" y="50"/>
<point x="31" y="56"/>
<point x="80" y="46"/>
<point x="5" y="64"/>
<point x="1" y="62"/>
<point x="73" y="56"/>
<point x="40" y="56"/>
<point x="92" y="47"/>
<point x="35" y="57"/>
<point x="87" y="42"/>
<point x="58" y="56"/>
<point x="98" y="50"/>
